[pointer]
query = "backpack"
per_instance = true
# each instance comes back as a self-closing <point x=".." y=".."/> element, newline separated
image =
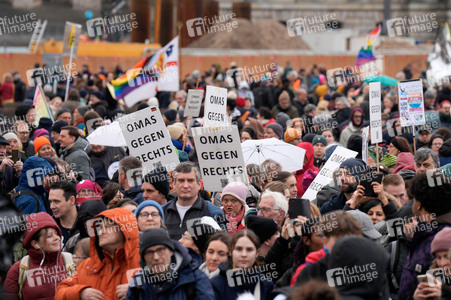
<point x="14" y="194"/>
<point x="25" y="265"/>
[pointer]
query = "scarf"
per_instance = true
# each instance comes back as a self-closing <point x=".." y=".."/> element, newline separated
<point x="235" y="222"/>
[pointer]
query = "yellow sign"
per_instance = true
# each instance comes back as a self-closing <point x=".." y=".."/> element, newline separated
<point x="72" y="35"/>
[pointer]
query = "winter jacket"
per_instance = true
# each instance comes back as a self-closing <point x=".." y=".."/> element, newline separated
<point x="134" y="193"/>
<point x="185" y="277"/>
<point x="101" y="271"/>
<point x="445" y="153"/>
<point x="308" y="165"/>
<point x="230" y="290"/>
<point x="76" y="155"/>
<point x="6" y="92"/>
<point x="43" y="285"/>
<point x="281" y="254"/>
<point x="28" y="148"/>
<point x="291" y="111"/>
<point x="405" y="161"/>
<point x="326" y="193"/>
<point x="20" y="89"/>
<point x="33" y="172"/>
<point x="200" y="208"/>
<point x="343" y="115"/>
<point x="335" y="203"/>
<point x="314" y="270"/>
<point x="102" y="161"/>
<point x="311" y="258"/>
<point x="347" y="132"/>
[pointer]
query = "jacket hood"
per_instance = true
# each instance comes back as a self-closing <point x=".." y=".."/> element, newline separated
<point x="353" y="111"/>
<point x="405" y="161"/>
<point x="33" y="172"/>
<point x="445" y="150"/>
<point x="36" y="222"/>
<point x="79" y="144"/>
<point x="88" y="209"/>
<point x="308" y="147"/>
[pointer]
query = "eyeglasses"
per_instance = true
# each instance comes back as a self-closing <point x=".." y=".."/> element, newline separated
<point x="437" y="144"/>
<point x="23" y="132"/>
<point x="78" y="257"/>
<point x="358" y="117"/>
<point x="145" y="215"/>
<point x="267" y="209"/>
<point x="160" y="251"/>
<point x="227" y="201"/>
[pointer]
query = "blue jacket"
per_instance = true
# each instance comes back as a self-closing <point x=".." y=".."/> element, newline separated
<point x="186" y="277"/>
<point x="225" y="288"/>
<point x="335" y="203"/>
<point x="134" y="193"/>
<point x="33" y="172"/>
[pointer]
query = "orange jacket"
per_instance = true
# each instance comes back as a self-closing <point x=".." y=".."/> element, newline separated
<point x="99" y="271"/>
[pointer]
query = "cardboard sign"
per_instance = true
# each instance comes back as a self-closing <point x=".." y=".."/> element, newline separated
<point x="375" y="112"/>
<point x="193" y="103"/>
<point x="411" y="103"/>
<point x="325" y="175"/>
<point x="365" y="134"/>
<point x="72" y="33"/>
<point x="220" y="156"/>
<point x="148" y="139"/>
<point x="215" y="106"/>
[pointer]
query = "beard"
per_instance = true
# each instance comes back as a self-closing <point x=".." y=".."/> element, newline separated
<point x="348" y="189"/>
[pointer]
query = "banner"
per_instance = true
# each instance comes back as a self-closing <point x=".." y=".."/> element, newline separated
<point x="40" y="105"/>
<point x="411" y="103"/>
<point x="215" y="106"/>
<point x="365" y="133"/>
<point x="375" y="112"/>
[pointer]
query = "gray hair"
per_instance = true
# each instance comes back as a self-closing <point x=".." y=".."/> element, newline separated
<point x="344" y="100"/>
<point x="270" y="163"/>
<point x="280" y="202"/>
<point x="187" y="167"/>
<point x="424" y="153"/>
<point x="183" y="93"/>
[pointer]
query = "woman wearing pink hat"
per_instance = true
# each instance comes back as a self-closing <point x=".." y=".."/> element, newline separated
<point x="233" y="199"/>
<point x="87" y="188"/>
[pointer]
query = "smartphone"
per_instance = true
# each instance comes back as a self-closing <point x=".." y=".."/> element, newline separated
<point x="366" y="181"/>
<point x="299" y="207"/>
<point x="15" y="155"/>
<point x="422" y="278"/>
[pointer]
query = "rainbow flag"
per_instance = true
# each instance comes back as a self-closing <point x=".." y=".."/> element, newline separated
<point x="40" y="105"/>
<point x="159" y="72"/>
<point x="366" y="52"/>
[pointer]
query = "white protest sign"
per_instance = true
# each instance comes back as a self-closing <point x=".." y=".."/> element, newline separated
<point x="325" y="174"/>
<point x="215" y="106"/>
<point x="220" y="156"/>
<point x="72" y="33"/>
<point x="193" y="103"/>
<point x="365" y="134"/>
<point x="411" y="104"/>
<point x="148" y="139"/>
<point x="375" y="112"/>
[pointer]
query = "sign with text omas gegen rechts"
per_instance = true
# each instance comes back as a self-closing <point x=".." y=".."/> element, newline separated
<point x="325" y="175"/>
<point x="193" y="103"/>
<point x="375" y="113"/>
<point x="215" y="106"/>
<point x="148" y="139"/>
<point x="220" y="156"/>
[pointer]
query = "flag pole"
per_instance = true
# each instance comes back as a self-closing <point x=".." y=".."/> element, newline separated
<point x="69" y="72"/>
<point x="414" y="139"/>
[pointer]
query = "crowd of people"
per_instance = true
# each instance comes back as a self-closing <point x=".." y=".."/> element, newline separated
<point x="93" y="231"/>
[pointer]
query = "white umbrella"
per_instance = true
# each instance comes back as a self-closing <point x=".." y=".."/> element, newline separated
<point x="290" y="157"/>
<point x="108" y="135"/>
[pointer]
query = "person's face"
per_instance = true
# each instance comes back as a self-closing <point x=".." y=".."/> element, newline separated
<point x="180" y="99"/>
<point x="244" y="253"/>
<point x="93" y="99"/>
<point x="316" y="241"/>
<point x="348" y="183"/>
<point x="284" y="102"/>
<point x="31" y="116"/>
<point x="429" y="101"/>
<point x="149" y="217"/>
<point x="45" y="151"/>
<point x="245" y="136"/>
<point x="266" y="209"/>
<point x="292" y="184"/>
<point x="437" y="143"/>
<point x="443" y="261"/>
<point x="151" y="193"/>
<point x="23" y="133"/>
<point x="398" y="191"/>
<point x="110" y="235"/>
<point x="424" y="136"/>
<point x="269" y="133"/>
<point x="358" y="118"/>
<point x="302" y="95"/>
<point x="13" y="144"/>
<point x="55" y="136"/>
<point x="388" y="103"/>
<point x="97" y="148"/>
<point x="215" y="255"/>
<point x="329" y="137"/>
<point x="51" y="241"/>
<point x="66" y="117"/>
<point x="446" y="108"/>
<point x="393" y="150"/>
<point x="339" y="104"/>
<point x="85" y="193"/>
<point x="187" y="241"/>
<point x="65" y="139"/>
<point x="158" y="259"/>
<point x="248" y="104"/>
<point x="187" y="186"/>
<point x="376" y="214"/>
<point x="2" y="152"/>
<point x="58" y="204"/>
<point x="78" y="257"/>
<point x="318" y="149"/>
<point x="77" y="116"/>
<point x="232" y="205"/>
<point x="422" y="167"/>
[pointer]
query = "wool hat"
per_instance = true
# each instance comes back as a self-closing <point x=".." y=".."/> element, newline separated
<point x="264" y="228"/>
<point x="45" y="123"/>
<point x="308" y="138"/>
<point x="40" y="132"/>
<point x="319" y="139"/>
<point x="236" y="189"/>
<point x="441" y="241"/>
<point x="355" y="166"/>
<point x="10" y="135"/>
<point x="277" y="129"/>
<point x="88" y="184"/>
<point x="3" y="141"/>
<point x="97" y="94"/>
<point x="170" y="114"/>
<point x="282" y="119"/>
<point x="291" y="134"/>
<point x="58" y="125"/>
<point x="39" y="142"/>
<point x="389" y="160"/>
<point x="159" y="178"/>
<point x="175" y="131"/>
<point x="240" y="102"/>
<point x="154" y="237"/>
<point x="146" y="203"/>
<point x="367" y="225"/>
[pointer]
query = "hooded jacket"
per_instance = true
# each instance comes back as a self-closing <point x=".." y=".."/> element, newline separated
<point x="405" y="161"/>
<point x="100" y="271"/>
<point x="76" y="155"/>
<point x="308" y="165"/>
<point x="351" y="128"/>
<point x="184" y="274"/>
<point x="53" y="268"/>
<point x="33" y="172"/>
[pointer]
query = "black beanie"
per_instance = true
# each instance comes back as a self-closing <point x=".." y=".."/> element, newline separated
<point x="159" y="178"/>
<point x="153" y="237"/>
<point x="264" y="228"/>
<point x="58" y="125"/>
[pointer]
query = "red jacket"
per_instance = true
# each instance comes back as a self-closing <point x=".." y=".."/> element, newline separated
<point x="43" y="285"/>
<point x="308" y="165"/>
<point x="6" y="91"/>
<point x="311" y="258"/>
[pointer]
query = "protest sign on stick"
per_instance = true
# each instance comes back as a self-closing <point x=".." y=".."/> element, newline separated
<point x="215" y="106"/>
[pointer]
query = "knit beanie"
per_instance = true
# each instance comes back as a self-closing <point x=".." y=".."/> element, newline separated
<point x="319" y="139"/>
<point x="159" y="178"/>
<point x="291" y="134"/>
<point x="441" y="241"/>
<point x="146" y="203"/>
<point x="39" y="142"/>
<point x="154" y="237"/>
<point x="282" y="119"/>
<point x="10" y="135"/>
<point x="264" y="228"/>
<point x="40" y="132"/>
<point x="389" y="160"/>
<point x="236" y="189"/>
<point x="175" y="131"/>
<point x="88" y="184"/>
<point x="355" y="166"/>
<point x="58" y="125"/>
<point x="277" y="129"/>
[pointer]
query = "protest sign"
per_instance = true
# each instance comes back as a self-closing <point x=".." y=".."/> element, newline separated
<point x="148" y="139"/>
<point x="325" y="175"/>
<point x="215" y="106"/>
<point x="375" y="112"/>
<point x="411" y="104"/>
<point x="365" y="134"/>
<point x="72" y="33"/>
<point x="220" y="156"/>
<point x="193" y="103"/>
